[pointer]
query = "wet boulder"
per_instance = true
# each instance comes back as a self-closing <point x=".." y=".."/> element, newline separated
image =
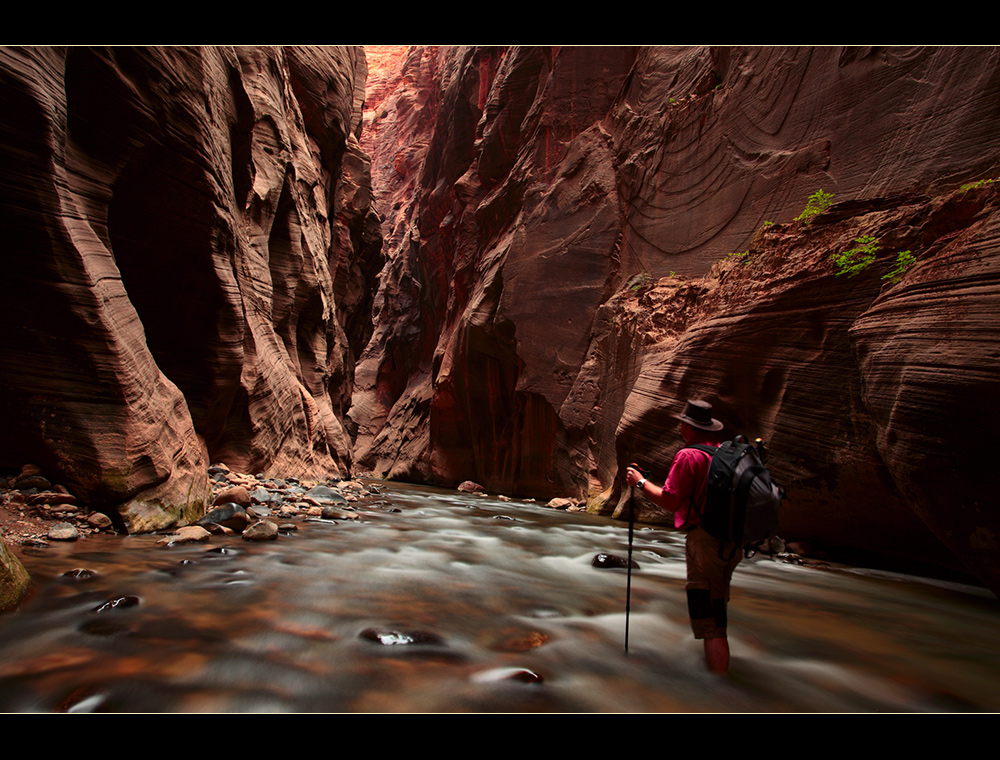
<point x="396" y="637"/>
<point x="332" y="513"/>
<point x="262" y="530"/>
<point x="31" y="478"/>
<point x="80" y="574"/>
<point x="231" y="515"/>
<point x="14" y="579"/>
<point x="236" y="495"/>
<point x="262" y="495"/>
<point x="611" y="561"/>
<point x="324" y="495"/>
<point x="63" y="531"/>
<point x="99" y="521"/>
<point x="561" y="503"/>
<point x="193" y="534"/>
<point x="118" y="603"/>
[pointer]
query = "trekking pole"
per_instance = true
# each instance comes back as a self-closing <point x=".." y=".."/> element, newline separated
<point x="628" y="583"/>
<point x="631" y="527"/>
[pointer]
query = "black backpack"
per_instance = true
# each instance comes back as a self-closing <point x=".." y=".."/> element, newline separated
<point x="741" y="501"/>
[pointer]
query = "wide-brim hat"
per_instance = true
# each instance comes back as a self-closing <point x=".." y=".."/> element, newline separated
<point x="699" y="414"/>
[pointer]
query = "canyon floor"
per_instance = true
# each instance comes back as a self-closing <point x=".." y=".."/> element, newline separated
<point x="17" y="527"/>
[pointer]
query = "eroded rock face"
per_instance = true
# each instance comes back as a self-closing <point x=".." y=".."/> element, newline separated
<point x="863" y="389"/>
<point x="554" y="218"/>
<point x="187" y="236"/>
<point x="929" y="358"/>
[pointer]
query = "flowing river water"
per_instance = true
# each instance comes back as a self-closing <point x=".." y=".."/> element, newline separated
<point x="438" y="601"/>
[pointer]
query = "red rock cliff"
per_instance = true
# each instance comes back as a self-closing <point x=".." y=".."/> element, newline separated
<point x="579" y="239"/>
<point x="188" y="234"/>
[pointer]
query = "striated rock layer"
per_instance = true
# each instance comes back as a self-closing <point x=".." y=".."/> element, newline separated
<point x="189" y="232"/>
<point x="874" y="397"/>
<point x="554" y="223"/>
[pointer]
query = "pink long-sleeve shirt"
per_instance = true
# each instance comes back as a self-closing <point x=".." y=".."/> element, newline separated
<point x="688" y="478"/>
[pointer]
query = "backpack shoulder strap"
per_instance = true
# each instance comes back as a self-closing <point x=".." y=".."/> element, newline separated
<point x="710" y="450"/>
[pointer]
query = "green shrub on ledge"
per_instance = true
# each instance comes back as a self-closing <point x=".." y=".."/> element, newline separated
<point x="856" y="260"/>
<point x="973" y="185"/>
<point x="904" y="260"/>
<point x="818" y="203"/>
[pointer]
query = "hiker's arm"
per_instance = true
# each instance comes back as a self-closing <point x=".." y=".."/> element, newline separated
<point x="653" y="492"/>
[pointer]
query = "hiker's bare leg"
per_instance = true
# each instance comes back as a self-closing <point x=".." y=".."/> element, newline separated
<point x="717" y="655"/>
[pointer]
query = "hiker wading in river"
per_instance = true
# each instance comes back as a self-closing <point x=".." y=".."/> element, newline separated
<point x="710" y="563"/>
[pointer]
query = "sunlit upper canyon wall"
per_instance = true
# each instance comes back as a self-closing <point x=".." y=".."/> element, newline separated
<point x="508" y="265"/>
<point x="579" y="239"/>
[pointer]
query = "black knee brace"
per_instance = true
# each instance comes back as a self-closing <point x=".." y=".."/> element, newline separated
<point x="701" y="606"/>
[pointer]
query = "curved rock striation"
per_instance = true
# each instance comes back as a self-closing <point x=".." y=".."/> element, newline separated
<point x="579" y="239"/>
<point x="929" y="358"/>
<point x="188" y="233"/>
<point x="875" y="413"/>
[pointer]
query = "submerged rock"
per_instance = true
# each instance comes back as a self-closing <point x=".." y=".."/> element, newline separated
<point x="80" y="574"/>
<point x="605" y="561"/>
<point x="394" y="637"/>
<point x="332" y="513"/>
<point x="507" y="674"/>
<point x="105" y="628"/>
<point x="122" y="602"/>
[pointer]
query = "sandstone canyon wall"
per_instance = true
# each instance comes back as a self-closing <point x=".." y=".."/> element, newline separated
<point x="189" y="242"/>
<point x="578" y="239"/>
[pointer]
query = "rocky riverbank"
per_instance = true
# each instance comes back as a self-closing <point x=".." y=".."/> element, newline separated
<point x="259" y="508"/>
<point x="35" y="511"/>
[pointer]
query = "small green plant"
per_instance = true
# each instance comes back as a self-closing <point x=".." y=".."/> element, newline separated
<point x="738" y="255"/>
<point x="980" y="183"/>
<point x="818" y="203"/>
<point x="904" y="260"/>
<point x="856" y="260"/>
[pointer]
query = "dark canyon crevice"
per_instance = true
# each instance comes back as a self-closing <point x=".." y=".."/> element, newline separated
<point x="510" y="265"/>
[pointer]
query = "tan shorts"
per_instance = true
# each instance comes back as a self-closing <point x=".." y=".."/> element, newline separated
<point x="709" y="573"/>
